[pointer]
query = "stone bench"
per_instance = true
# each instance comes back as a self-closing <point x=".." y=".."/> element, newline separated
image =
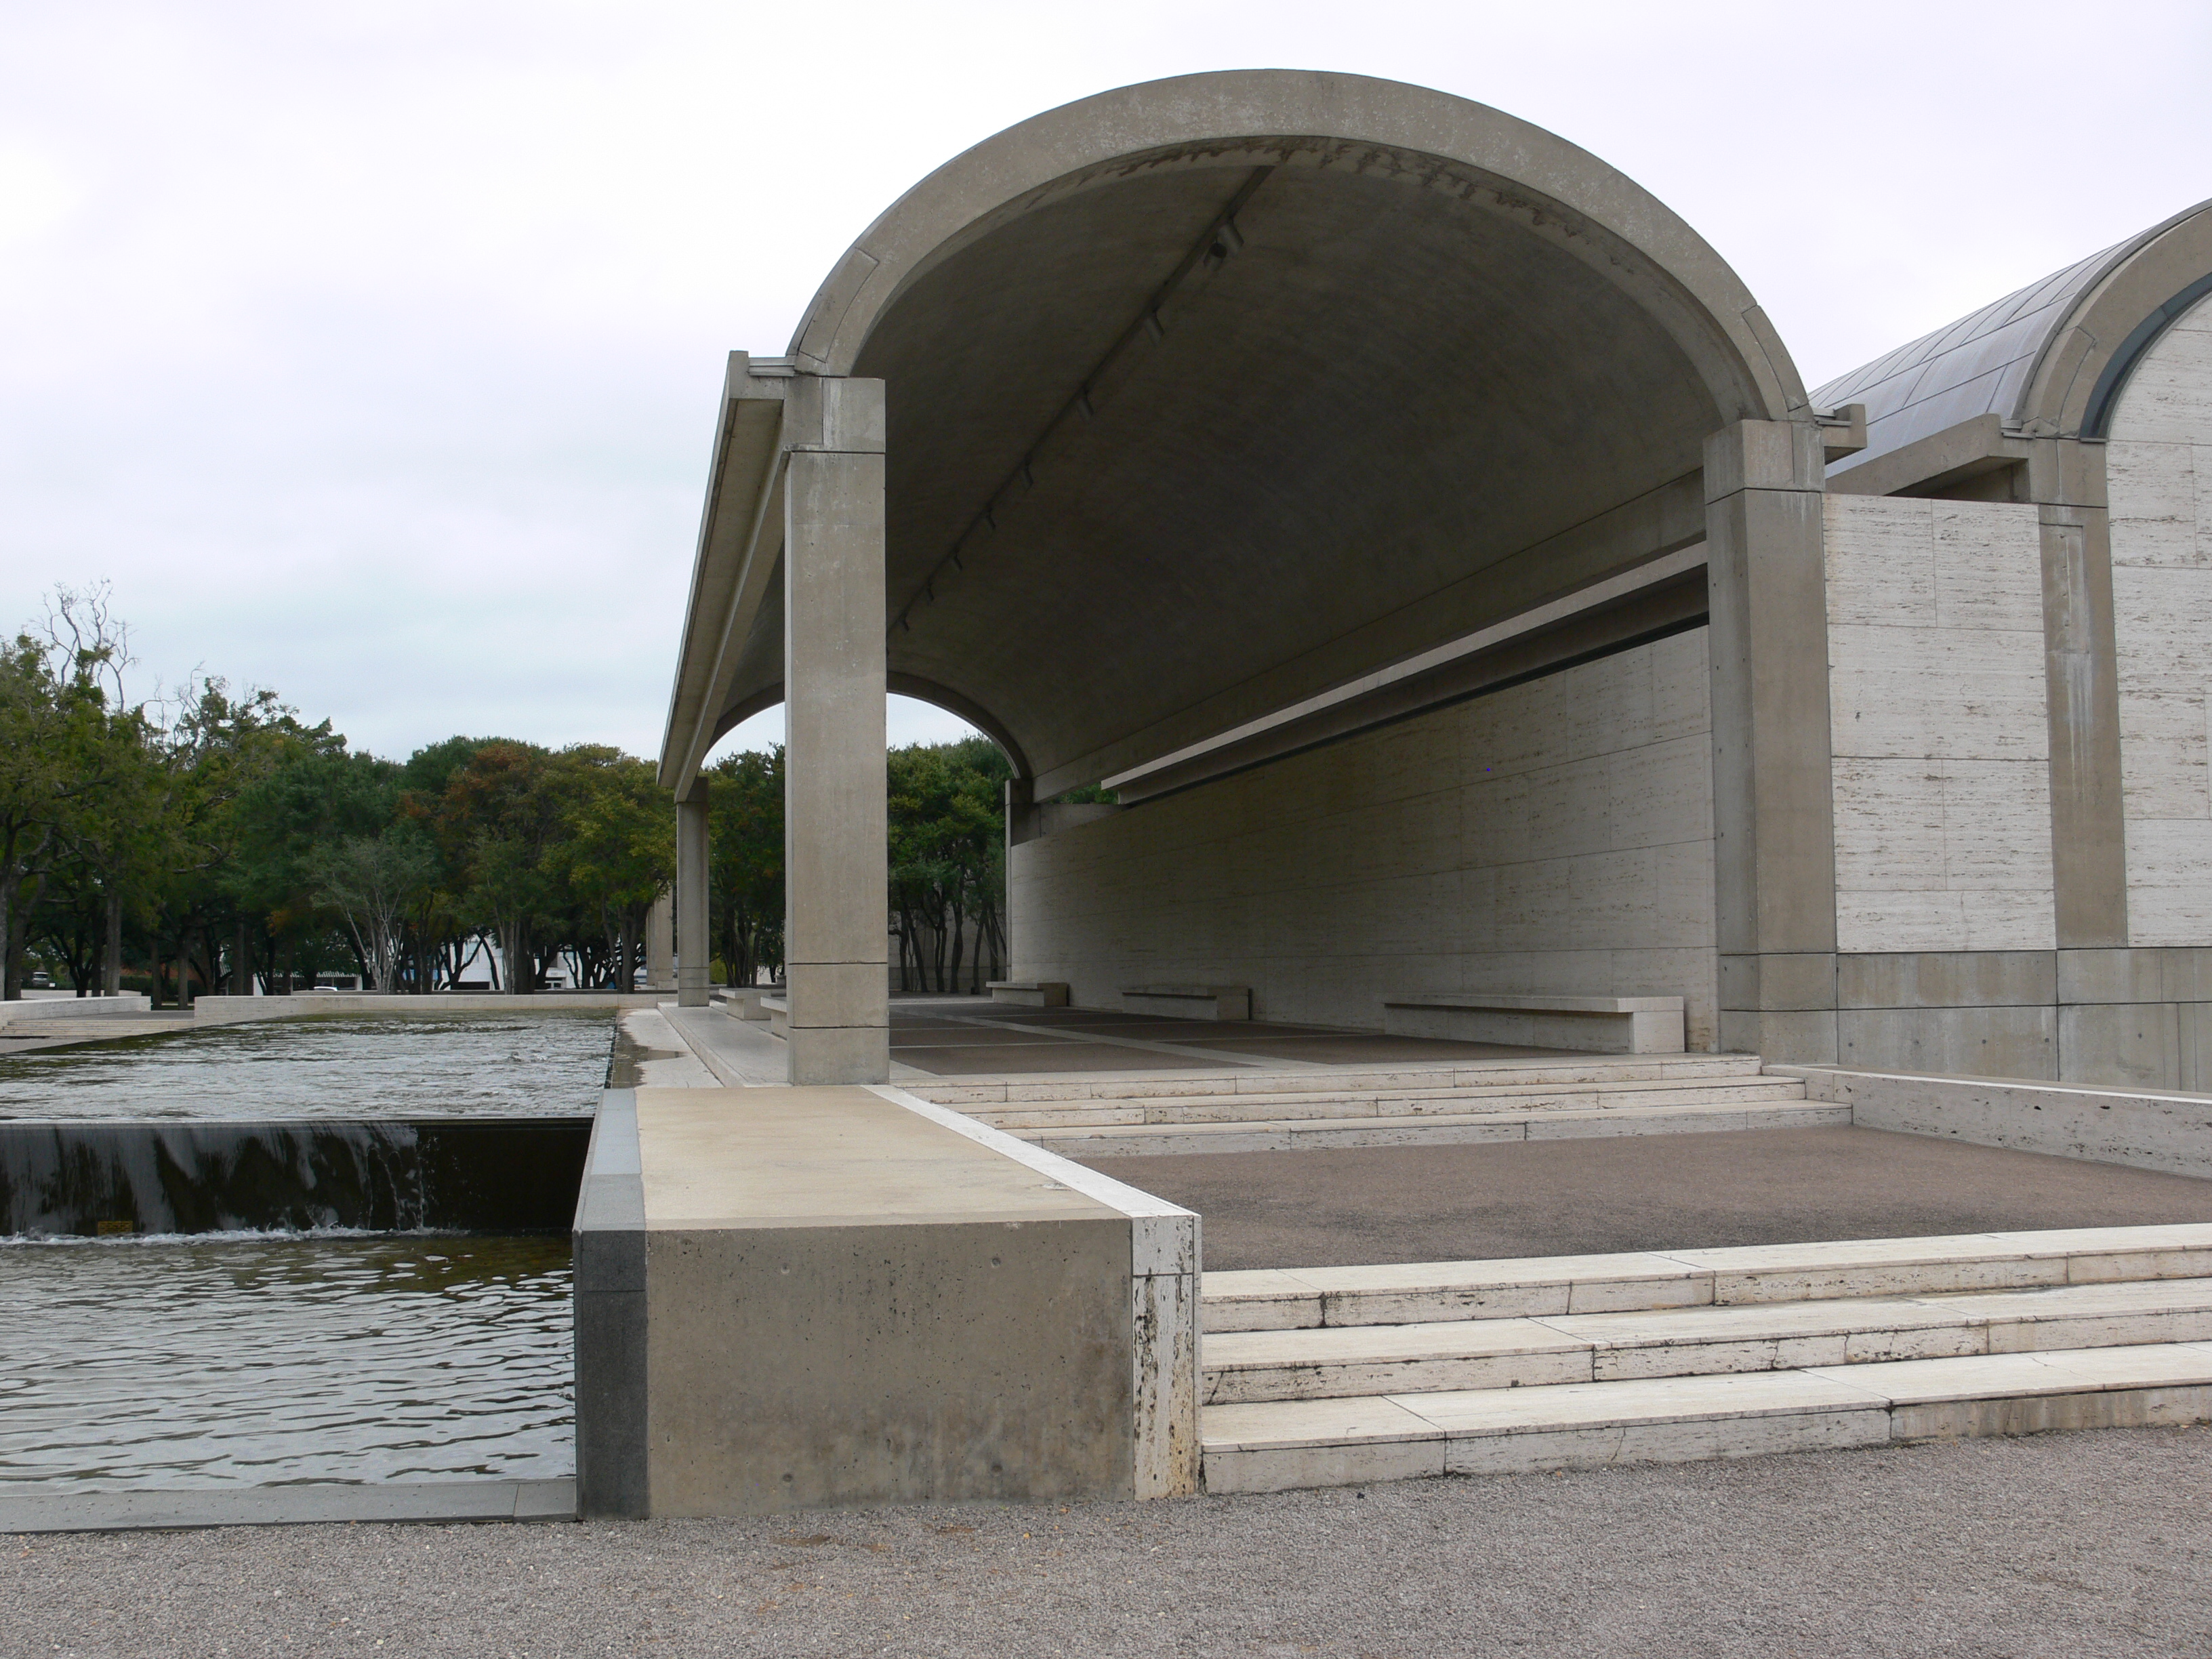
<point x="1189" y="1001"/>
<point x="1031" y="993"/>
<point x="776" y="1011"/>
<point x="1603" y="1025"/>
<point x="745" y="1001"/>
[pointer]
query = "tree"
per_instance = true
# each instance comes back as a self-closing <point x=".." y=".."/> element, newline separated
<point x="616" y="855"/>
<point x="376" y="880"/>
<point x="55" y="760"/>
<point x="947" y="854"/>
<point x="744" y="868"/>
<point x="496" y="819"/>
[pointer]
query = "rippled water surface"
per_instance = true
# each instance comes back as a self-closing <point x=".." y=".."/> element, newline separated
<point x="156" y="1364"/>
<point x="539" y="1062"/>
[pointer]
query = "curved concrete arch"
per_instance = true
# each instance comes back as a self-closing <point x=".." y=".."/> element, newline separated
<point x="2084" y="366"/>
<point x="1208" y="395"/>
<point x="1323" y="120"/>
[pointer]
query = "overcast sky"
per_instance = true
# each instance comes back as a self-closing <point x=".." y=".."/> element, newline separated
<point x="371" y="351"/>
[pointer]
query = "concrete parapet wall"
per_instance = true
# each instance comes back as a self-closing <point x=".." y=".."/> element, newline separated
<point x="43" y="1008"/>
<point x="223" y="1010"/>
<point x="803" y="1297"/>
<point x="2168" y="1132"/>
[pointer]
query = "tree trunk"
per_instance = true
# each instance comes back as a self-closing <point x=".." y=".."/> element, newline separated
<point x="111" y="962"/>
<point x="520" y="970"/>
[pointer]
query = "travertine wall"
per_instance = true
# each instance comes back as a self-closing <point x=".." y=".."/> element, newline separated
<point x="1555" y="836"/>
<point x="2159" y="473"/>
<point x="1938" y="725"/>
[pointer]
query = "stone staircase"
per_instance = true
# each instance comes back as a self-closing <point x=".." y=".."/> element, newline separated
<point x="1254" y="1111"/>
<point x="1344" y="1376"/>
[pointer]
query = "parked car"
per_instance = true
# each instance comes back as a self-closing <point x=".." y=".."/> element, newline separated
<point x="39" y="980"/>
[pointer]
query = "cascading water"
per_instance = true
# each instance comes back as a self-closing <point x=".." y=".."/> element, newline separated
<point x="394" y="1175"/>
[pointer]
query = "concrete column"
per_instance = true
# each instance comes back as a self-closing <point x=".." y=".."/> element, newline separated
<point x="1773" y="821"/>
<point x="660" y="945"/>
<point x="691" y="944"/>
<point x="1021" y="811"/>
<point x="2088" y="837"/>
<point x="836" y="917"/>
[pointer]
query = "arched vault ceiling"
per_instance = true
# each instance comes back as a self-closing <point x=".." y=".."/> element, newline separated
<point x="1329" y="457"/>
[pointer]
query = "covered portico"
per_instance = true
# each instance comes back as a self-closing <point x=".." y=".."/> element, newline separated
<point x="1205" y="423"/>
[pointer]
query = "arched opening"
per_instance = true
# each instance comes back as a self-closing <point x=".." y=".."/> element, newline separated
<point x="1233" y="433"/>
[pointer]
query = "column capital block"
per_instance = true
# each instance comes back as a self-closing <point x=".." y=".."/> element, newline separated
<point x="841" y="415"/>
<point x="1764" y="455"/>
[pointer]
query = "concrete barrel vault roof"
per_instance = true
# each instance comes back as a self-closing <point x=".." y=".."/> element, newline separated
<point x="2047" y="361"/>
<point x="1210" y="394"/>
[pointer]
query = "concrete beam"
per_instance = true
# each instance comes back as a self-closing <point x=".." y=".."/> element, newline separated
<point x="836" y="928"/>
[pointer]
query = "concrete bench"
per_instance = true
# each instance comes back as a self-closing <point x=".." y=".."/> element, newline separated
<point x="1603" y="1025"/>
<point x="1189" y="1001"/>
<point x="1031" y="993"/>
<point x="776" y="1011"/>
<point x="745" y="1001"/>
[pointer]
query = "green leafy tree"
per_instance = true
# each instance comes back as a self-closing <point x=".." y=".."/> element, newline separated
<point x="947" y="858"/>
<point x="375" y="881"/>
<point x="497" y="819"/>
<point x="616" y="853"/>
<point x="744" y="866"/>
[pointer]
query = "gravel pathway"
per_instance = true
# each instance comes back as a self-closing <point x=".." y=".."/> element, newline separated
<point x="2071" y="1545"/>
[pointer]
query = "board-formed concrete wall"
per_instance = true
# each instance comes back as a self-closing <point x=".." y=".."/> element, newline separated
<point x="1940" y="736"/>
<point x="1554" y="837"/>
<point x="2158" y="474"/>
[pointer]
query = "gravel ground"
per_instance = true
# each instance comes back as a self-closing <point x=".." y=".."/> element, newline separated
<point x="2071" y="1545"/>
<point x="1449" y="1203"/>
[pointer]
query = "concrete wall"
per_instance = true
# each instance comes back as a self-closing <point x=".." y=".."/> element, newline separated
<point x="801" y="1297"/>
<point x="1938" y="725"/>
<point x="2158" y="475"/>
<point x="2172" y="1132"/>
<point x="1556" y="836"/>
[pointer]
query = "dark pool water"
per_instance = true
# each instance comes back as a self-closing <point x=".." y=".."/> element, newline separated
<point x="534" y="1063"/>
<point x="155" y="1364"/>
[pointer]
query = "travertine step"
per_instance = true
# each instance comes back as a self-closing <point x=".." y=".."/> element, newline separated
<point x="1286" y="1107"/>
<point x="1138" y="1140"/>
<point x="1338" y="1376"/>
<point x="1520" y="1352"/>
<point x="1418" y="1293"/>
<point x="1279" y="1446"/>
<point x="1167" y="1083"/>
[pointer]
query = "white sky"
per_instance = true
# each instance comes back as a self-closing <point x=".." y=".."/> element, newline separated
<point x="371" y="351"/>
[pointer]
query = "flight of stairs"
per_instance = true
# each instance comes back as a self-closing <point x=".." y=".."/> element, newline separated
<point x="1344" y="1376"/>
<point x="1256" y="1111"/>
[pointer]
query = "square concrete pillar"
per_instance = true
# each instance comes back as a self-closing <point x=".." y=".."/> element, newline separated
<point x="660" y="945"/>
<point x="692" y="950"/>
<point x="1773" y="820"/>
<point x="836" y="915"/>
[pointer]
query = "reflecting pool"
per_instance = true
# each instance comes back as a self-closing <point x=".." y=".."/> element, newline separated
<point x="228" y="1361"/>
<point x="533" y="1062"/>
